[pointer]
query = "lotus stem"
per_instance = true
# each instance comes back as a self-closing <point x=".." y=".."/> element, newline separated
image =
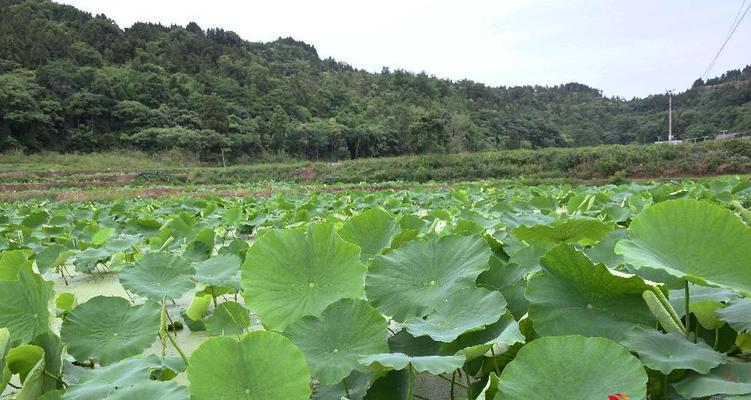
<point x="165" y="329"/>
<point x="453" y="381"/>
<point x="469" y="392"/>
<point x="687" y="300"/>
<point x="457" y="383"/>
<point x="57" y="378"/>
<point x="179" y="350"/>
<point x="346" y="388"/>
<point x="716" y="337"/>
<point x="63" y="275"/>
<point x="696" y="331"/>
<point x="495" y="362"/>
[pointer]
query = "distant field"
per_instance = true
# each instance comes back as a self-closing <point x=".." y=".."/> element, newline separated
<point x="133" y="174"/>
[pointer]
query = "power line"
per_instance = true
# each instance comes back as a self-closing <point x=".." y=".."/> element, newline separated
<point x="735" y="20"/>
<point x="734" y="26"/>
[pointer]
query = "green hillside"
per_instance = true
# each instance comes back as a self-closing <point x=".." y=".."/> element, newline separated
<point x="70" y="81"/>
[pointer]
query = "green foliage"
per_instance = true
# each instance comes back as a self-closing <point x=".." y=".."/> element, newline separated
<point x="671" y="351"/>
<point x="560" y="362"/>
<point x="241" y="369"/>
<point x="332" y="342"/>
<point x="414" y="279"/>
<point x="71" y="81"/>
<point x="108" y="329"/>
<point x="576" y="297"/>
<point x="23" y="309"/>
<point x="289" y="274"/>
<point x="691" y="240"/>
<point x="158" y="276"/>
<point x="481" y="284"/>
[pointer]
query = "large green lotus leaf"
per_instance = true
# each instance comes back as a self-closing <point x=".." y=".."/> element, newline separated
<point x="372" y="230"/>
<point x="22" y="359"/>
<point x="692" y="240"/>
<point x="434" y="365"/>
<point x="102" y="383"/>
<point x="403" y="342"/>
<point x="501" y="334"/>
<point x="35" y="219"/>
<point x="333" y="342"/>
<point x="728" y="379"/>
<point x="575" y="296"/>
<point x="490" y="390"/>
<point x="87" y="260"/>
<point x="229" y="319"/>
<point x="737" y="314"/>
<point x="10" y="262"/>
<point x="33" y="385"/>
<point x="151" y="390"/>
<point x="509" y="279"/>
<point x="4" y="373"/>
<point x="578" y="230"/>
<point x="221" y="270"/>
<point x="223" y="368"/>
<point x="159" y="275"/>
<point x="291" y="273"/>
<point x="698" y="294"/>
<point x="573" y="367"/>
<point x="705" y="302"/>
<point x="23" y="306"/>
<point x="53" y="365"/>
<point x="52" y="256"/>
<point x="102" y="236"/>
<point x="109" y="329"/>
<point x="463" y="311"/>
<point x="394" y="385"/>
<point x="122" y="243"/>
<point x="668" y="352"/>
<point x="413" y="279"/>
<point x="200" y="248"/>
<point x="604" y="250"/>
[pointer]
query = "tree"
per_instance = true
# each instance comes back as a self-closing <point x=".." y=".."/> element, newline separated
<point x="214" y="114"/>
<point x="193" y="27"/>
<point x="27" y="118"/>
<point x="428" y="132"/>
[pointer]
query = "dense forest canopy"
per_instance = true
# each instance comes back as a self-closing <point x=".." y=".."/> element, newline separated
<point x="70" y="81"/>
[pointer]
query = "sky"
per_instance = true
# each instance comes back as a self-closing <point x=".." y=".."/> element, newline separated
<point x="626" y="48"/>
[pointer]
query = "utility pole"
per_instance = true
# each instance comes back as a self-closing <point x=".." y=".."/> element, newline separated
<point x="670" y="116"/>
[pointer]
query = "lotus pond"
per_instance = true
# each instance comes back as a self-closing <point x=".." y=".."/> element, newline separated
<point x="630" y="292"/>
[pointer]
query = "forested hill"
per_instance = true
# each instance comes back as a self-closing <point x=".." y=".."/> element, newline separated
<point x="71" y="81"/>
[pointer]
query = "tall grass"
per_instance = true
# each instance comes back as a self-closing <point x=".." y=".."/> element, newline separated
<point x="125" y="159"/>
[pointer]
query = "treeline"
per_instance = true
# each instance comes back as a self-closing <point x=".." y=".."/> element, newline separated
<point x="70" y="81"/>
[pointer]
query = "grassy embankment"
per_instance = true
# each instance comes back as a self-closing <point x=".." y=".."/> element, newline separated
<point x="66" y="176"/>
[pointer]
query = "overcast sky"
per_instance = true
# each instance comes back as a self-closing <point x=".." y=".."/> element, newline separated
<point x="624" y="47"/>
